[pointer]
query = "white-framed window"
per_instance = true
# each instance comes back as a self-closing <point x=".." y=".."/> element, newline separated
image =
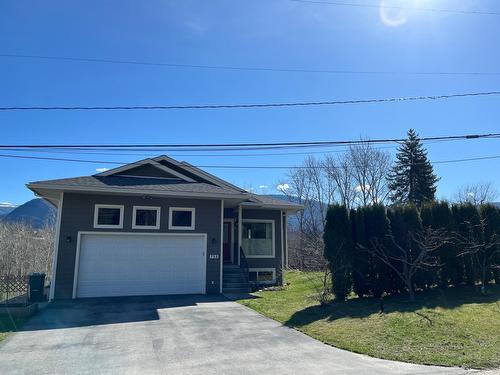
<point x="108" y="216"/>
<point x="262" y="275"/>
<point x="181" y="218"/>
<point x="145" y="217"/>
<point x="258" y="238"/>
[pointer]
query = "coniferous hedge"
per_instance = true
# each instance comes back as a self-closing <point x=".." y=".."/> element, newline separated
<point x="338" y="249"/>
<point x="349" y="235"/>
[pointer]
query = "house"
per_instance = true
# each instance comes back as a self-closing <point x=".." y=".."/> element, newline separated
<point x="159" y="226"/>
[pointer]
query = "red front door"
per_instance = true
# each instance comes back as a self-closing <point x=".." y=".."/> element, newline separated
<point x="227" y="241"/>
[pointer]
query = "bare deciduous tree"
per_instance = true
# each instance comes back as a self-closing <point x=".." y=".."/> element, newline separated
<point x="370" y="170"/>
<point x="405" y="259"/>
<point x="484" y="248"/>
<point x="24" y="250"/>
<point x="309" y="186"/>
<point x="357" y="177"/>
<point x="340" y="170"/>
<point x="476" y="194"/>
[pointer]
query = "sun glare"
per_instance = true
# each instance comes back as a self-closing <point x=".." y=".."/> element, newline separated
<point x="390" y="13"/>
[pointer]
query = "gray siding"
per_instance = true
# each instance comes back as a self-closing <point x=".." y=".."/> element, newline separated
<point x="268" y="262"/>
<point x="78" y="215"/>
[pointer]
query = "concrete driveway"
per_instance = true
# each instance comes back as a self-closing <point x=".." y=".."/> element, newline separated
<point x="176" y="335"/>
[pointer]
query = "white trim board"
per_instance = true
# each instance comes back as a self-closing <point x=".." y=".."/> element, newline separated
<point x="286" y="239"/>
<point x="240" y="218"/>
<point x="221" y="243"/>
<point x="56" y="248"/>
<point x="78" y="250"/>
<point x="282" y="249"/>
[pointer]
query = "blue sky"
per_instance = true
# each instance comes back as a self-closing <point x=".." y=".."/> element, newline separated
<point x="265" y="33"/>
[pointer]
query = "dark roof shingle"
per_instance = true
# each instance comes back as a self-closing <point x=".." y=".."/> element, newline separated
<point x="137" y="183"/>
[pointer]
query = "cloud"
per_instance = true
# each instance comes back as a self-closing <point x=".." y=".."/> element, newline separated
<point x="359" y="188"/>
<point x="7" y="204"/>
<point x="283" y="187"/>
<point x="100" y="170"/>
<point x="263" y="186"/>
<point x="248" y="190"/>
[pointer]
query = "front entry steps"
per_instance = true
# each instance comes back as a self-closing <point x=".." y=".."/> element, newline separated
<point x="234" y="280"/>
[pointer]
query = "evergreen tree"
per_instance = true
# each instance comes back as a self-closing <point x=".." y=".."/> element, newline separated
<point x="467" y="223"/>
<point x="338" y="249"/>
<point x="452" y="265"/>
<point x="377" y="228"/>
<point x="489" y="257"/>
<point x="360" y="263"/>
<point x="412" y="178"/>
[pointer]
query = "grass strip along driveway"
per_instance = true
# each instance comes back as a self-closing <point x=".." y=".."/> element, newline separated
<point x="453" y="327"/>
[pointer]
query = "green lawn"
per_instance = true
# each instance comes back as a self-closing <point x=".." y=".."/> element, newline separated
<point x="463" y="327"/>
<point x="8" y="325"/>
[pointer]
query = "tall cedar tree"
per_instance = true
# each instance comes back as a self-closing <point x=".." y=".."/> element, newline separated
<point x="467" y="223"/>
<point x="338" y="249"/>
<point x="360" y="262"/>
<point x="491" y="216"/>
<point x="412" y="178"/>
<point x="377" y="229"/>
<point x="438" y="215"/>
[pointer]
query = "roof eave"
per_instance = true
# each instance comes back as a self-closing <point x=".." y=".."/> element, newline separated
<point x="284" y="207"/>
<point x="36" y="187"/>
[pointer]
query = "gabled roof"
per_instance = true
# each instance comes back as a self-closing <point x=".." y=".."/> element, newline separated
<point x="160" y="176"/>
<point x="128" y="167"/>
<point x="186" y="167"/>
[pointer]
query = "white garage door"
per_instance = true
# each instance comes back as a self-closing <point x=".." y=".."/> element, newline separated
<point x="140" y="264"/>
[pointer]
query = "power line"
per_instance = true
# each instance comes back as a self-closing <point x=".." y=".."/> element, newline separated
<point x="232" y="146"/>
<point x="226" y="166"/>
<point x="254" y="105"/>
<point x="150" y="153"/>
<point x="52" y="151"/>
<point x="396" y="7"/>
<point x="245" y="68"/>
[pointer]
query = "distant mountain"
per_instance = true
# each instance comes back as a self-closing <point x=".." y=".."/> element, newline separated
<point x="6" y="208"/>
<point x="314" y="208"/>
<point x="36" y="212"/>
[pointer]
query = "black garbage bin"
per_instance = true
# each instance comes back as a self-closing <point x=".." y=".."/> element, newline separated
<point x="36" y="287"/>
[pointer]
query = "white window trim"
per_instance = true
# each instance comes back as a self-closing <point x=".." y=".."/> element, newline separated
<point x="187" y="209"/>
<point x="273" y="238"/>
<point x="273" y="270"/>
<point x="151" y="208"/>
<point x="106" y="226"/>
